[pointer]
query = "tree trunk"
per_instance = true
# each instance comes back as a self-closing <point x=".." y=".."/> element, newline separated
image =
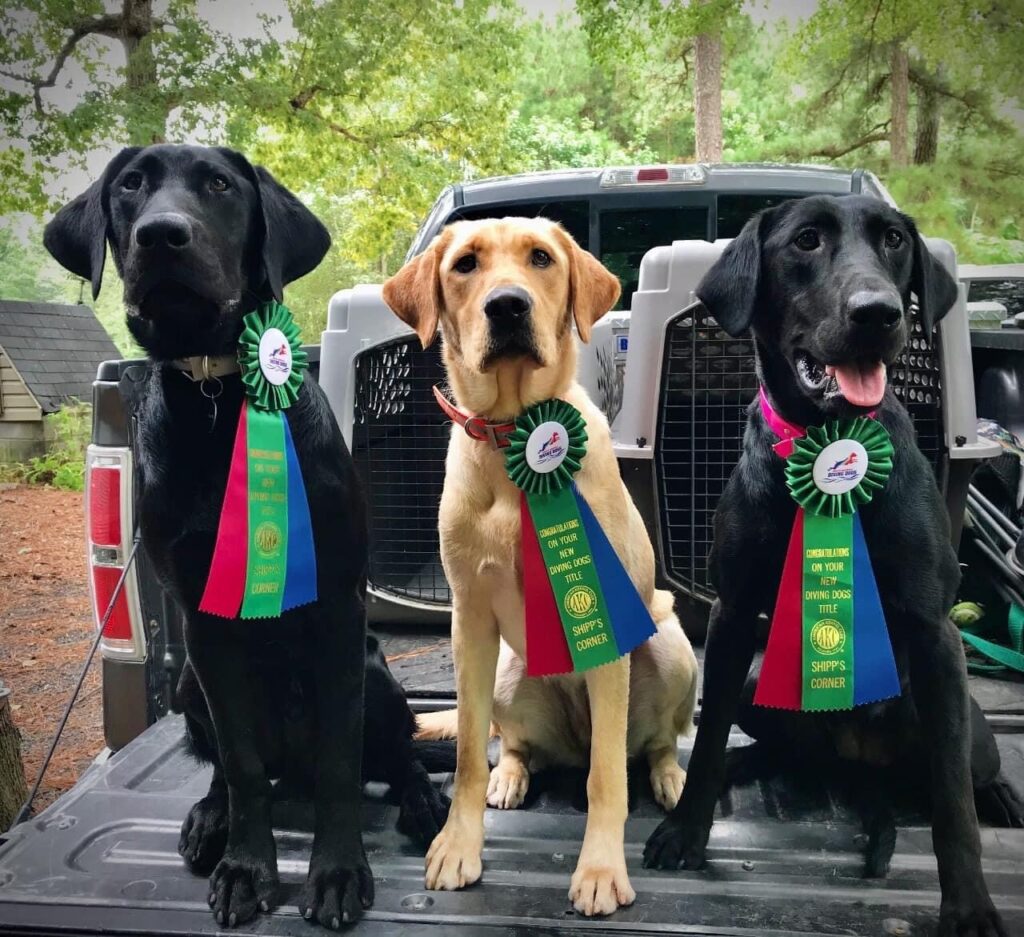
<point x="926" y="137"/>
<point x="707" y="96"/>
<point x="146" y="115"/>
<point x="899" y="81"/>
<point x="13" y="789"/>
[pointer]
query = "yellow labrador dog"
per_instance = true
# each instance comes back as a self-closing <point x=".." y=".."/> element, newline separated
<point x="505" y="293"/>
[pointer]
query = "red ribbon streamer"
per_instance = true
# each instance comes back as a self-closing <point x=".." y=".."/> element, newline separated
<point x="547" y="652"/>
<point x="779" y="685"/>
<point x="225" y="583"/>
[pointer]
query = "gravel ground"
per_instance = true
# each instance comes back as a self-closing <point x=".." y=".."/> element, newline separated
<point x="46" y="630"/>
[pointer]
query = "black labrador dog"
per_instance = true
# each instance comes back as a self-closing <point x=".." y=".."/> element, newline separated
<point x="825" y="286"/>
<point x="200" y="238"/>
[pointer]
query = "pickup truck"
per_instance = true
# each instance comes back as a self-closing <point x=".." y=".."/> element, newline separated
<point x="785" y="854"/>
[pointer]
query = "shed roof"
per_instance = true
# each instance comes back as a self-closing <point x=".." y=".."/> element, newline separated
<point x="56" y="349"/>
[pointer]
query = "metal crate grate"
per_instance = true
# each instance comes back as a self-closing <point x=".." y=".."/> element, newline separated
<point x="707" y="382"/>
<point x="399" y="441"/>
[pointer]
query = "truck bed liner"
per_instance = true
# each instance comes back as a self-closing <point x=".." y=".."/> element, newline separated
<point x="784" y="859"/>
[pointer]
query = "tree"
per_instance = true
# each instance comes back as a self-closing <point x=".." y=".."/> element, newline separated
<point x="378" y="107"/>
<point x="872" y="54"/>
<point x="634" y="29"/>
<point x="174" y="68"/>
<point x="22" y="276"/>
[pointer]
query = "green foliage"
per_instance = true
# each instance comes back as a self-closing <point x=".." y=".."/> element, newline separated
<point x="369" y="110"/>
<point x="21" y="276"/>
<point x="63" y="464"/>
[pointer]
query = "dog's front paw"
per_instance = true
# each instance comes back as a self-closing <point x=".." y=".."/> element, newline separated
<point x="674" y="845"/>
<point x="977" y="918"/>
<point x="508" y="784"/>
<point x="423" y="810"/>
<point x="336" y="893"/>
<point x="204" y="835"/>
<point x="454" y="858"/>
<point x="240" y="886"/>
<point x="667" y="782"/>
<point x="600" y="888"/>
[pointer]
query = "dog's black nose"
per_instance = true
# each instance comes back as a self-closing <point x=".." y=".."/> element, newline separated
<point x="507" y="305"/>
<point x="875" y="308"/>
<point x="163" y="229"/>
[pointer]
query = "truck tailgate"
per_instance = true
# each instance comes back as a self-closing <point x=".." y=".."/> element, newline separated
<point x="785" y="857"/>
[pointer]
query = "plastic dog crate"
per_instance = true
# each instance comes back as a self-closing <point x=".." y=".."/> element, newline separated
<point x="688" y="385"/>
<point x="675" y="389"/>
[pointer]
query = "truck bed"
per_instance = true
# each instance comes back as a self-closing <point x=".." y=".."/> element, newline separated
<point x="784" y="856"/>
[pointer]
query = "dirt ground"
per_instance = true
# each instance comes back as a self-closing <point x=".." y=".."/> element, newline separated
<point x="46" y="631"/>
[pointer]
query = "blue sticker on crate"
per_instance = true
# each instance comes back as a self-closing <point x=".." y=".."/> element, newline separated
<point x="621" y="344"/>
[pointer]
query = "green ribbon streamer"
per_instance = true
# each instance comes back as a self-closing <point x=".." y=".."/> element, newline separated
<point x="573" y="577"/>
<point x="827" y="612"/>
<point x="566" y="551"/>
<point x="266" y="566"/>
<point x="827" y="584"/>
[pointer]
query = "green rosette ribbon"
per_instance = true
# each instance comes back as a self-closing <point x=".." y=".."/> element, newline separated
<point x="800" y="466"/>
<point x="582" y="610"/>
<point x="519" y="470"/>
<point x="829" y="647"/>
<point x="260" y="389"/>
<point x="264" y="562"/>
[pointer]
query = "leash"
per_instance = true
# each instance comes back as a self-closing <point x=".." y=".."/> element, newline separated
<point x="26" y="808"/>
<point x="476" y="427"/>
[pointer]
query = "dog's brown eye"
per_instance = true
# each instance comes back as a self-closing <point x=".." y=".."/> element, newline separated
<point x="808" y="240"/>
<point x="466" y="263"/>
<point x="219" y="184"/>
<point x="893" y="239"/>
<point x="132" y="181"/>
<point x="540" y="258"/>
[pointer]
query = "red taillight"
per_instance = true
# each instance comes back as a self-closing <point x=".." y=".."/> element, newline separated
<point x="108" y="506"/>
<point x="104" y="581"/>
<point x="105" y="506"/>
<point x="652" y="174"/>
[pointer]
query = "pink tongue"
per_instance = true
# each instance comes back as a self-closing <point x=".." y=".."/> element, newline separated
<point x="861" y="383"/>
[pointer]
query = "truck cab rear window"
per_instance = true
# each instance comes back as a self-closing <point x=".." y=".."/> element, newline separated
<point x="626" y="234"/>
<point x="735" y="210"/>
<point x="574" y="216"/>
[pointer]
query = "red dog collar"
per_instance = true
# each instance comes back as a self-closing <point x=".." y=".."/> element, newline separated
<point x="476" y="427"/>
<point x="787" y="432"/>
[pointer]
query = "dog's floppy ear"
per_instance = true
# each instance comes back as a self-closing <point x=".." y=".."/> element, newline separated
<point x="77" y="235"/>
<point x="935" y="289"/>
<point x="293" y="240"/>
<point x="593" y="289"/>
<point x="729" y="289"/>
<point x="414" y="293"/>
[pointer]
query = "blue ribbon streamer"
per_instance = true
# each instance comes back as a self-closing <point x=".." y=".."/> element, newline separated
<point x="300" y="569"/>
<point x="874" y="669"/>
<point x="631" y="621"/>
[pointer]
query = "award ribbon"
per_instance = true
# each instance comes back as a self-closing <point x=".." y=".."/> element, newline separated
<point x="582" y="609"/>
<point x="263" y="559"/>
<point x="829" y="646"/>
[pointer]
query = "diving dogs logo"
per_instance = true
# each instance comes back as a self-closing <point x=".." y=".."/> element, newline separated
<point x="552" y="448"/>
<point x="275" y="356"/>
<point x="840" y="466"/>
<point x="547" y="447"/>
<point x="843" y="469"/>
